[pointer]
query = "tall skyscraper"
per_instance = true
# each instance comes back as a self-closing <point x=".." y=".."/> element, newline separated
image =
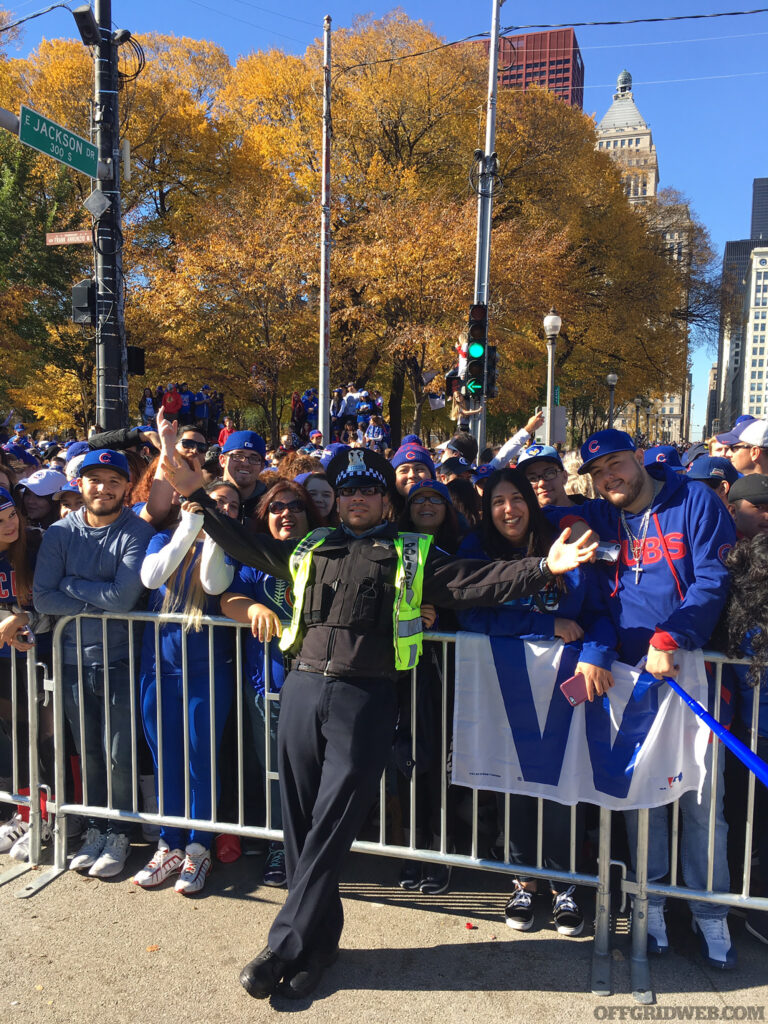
<point x="551" y="60"/>
<point x="759" y="228"/>
<point x="737" y="337"/>
<point x="626" y="135"/>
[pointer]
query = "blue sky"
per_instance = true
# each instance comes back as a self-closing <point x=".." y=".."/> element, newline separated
<point x="701" y="85"/>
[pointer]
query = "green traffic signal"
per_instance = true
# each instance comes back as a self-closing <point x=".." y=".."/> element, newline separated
<point x="476" y="349"/>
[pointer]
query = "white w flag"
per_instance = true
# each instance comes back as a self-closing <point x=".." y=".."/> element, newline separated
<point x="515" y="732"/>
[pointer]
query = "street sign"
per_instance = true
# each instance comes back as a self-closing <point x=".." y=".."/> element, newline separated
<point x="60" y="143"/>
<point x="69" y="237"/>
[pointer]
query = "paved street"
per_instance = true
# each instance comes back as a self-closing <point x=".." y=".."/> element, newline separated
<point x="85" y="951"/>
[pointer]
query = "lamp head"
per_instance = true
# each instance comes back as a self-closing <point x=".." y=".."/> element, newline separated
<point x="552" y="323"/>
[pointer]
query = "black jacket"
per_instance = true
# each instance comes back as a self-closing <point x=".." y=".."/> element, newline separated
<point x="347" y="627"/>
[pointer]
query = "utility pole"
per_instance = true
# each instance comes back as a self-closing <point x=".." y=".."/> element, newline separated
<point x="323" y="386"/>
<point x="487" y="161"/>
<point x="111" y="370"/>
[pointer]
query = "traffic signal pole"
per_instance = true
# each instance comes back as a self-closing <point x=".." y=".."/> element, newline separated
<point x="111" y="370"/>
<point x="485" y="207"/>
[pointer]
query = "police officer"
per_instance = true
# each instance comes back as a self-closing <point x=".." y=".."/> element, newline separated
<point x="356" y="623"/>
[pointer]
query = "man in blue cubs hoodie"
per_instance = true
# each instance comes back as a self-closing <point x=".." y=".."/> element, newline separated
<point x="90" y="563"/>
<point x="668" y="588"/>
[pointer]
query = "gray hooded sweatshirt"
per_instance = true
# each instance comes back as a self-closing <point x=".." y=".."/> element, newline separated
<point x="86" y="569"/>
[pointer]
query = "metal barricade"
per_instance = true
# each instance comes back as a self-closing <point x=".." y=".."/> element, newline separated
<point x="24" y="696"/>
<point x="640" y="888"/>
<point x="74" y="676"/>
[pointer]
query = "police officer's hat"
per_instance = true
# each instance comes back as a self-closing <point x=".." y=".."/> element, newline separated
<point x="360" y="466"/>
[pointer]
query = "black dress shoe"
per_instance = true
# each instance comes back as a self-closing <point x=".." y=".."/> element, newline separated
<point x="303" y="978"/>
<point x="259" y="978"/>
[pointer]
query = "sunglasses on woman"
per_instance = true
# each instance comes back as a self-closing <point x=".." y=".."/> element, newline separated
<point x="193" y="446"/>
<point x="276" y="507"/>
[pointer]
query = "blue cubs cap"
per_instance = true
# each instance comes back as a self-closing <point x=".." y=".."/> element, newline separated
<point x="482" y="474"/>
<point x="733" y="436"/>
<point x="70" y="487"/>
<point x="106" y="459"/>
<point x="694" y="452"/>
<point x="713" y="467"/>
<point x="245" y="440"/>
<point x="604" y="442"/>
<point x="77" y="448"/>
<point x="19" y="453"/>
<point x="412" y="452"/>
<point x="539" y="451"/>
<point x="19" y="426"/>
<point x="6" y="501"/>
<point x="666" y="453"/>
<point x="430" y="485"/>
<point x="329" y="452"/>
<point x="457" y="465"/>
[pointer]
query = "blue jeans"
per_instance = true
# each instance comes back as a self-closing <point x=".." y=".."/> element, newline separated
<point x="694" y="818"/>
<point x="94" y="746"/>
<point x="255" y="759"/>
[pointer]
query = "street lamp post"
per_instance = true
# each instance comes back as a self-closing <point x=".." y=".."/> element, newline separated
<point x="552" y="325"/>
<point x="611" y="380"/>
<point x="638" y="403"/>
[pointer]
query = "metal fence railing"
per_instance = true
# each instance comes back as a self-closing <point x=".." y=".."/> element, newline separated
<point x="76" y="682"/>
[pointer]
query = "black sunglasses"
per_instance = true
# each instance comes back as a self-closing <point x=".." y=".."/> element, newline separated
<point x="189" y="445"/>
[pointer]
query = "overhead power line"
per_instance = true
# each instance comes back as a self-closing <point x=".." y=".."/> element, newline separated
<point x="35" y="14"/>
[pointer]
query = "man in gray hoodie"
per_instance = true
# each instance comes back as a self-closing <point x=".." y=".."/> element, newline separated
<point x="89" y="563"/>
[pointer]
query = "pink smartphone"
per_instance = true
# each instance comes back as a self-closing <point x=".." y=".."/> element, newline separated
<point x="575" y="689"/>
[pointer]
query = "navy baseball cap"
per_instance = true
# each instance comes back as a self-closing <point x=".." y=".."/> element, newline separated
<point x="539" y="451"/>
<point x="457" y="465"/>
<point x="694" y="452"/>
<point x="77" y="448"/>
<point x="733" y="435"/>
<point x="20" y="454"/>
<point x="105" y="458"/>
<point x="666" y="453"/>
<point x="245" y="440"/>
<point x="329" y="452"/>
<point x="482" y="474"/>
<point x="604" y="442"/>
<point x="713" y="467"/>
<point x="6" y="501"/>
<point x="430" y="485"/>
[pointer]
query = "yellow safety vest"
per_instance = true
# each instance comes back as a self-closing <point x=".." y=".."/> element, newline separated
<point x="412" y="550"/>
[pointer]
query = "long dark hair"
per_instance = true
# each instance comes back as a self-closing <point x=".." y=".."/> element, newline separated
<point x="540" y="533"/>
<point x="18" y="554"/>
<point x="746" y="614"/>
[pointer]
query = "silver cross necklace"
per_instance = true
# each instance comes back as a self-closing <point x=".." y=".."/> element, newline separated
<point x="638" y="543"/>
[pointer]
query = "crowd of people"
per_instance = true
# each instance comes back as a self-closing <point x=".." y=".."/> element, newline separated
<point x="340" y="557"/>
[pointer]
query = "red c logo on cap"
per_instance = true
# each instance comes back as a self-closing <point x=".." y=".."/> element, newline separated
<point x="593" y="446"/>
<point x="410" y="455"/>
<point x="105" y="457"/>
<point x="661" y="457"/>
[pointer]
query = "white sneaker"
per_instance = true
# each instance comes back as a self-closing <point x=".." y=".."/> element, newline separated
<point x="113" y="857"/>
<point x="20" y="849"/>
<point x="89" y="852"/>
<point x="195" y="869"/>
<point x="715" y="940"/>
<point x="164" y="863"/>
<point x="11" y="832"/>
<point x="657" y="929"/>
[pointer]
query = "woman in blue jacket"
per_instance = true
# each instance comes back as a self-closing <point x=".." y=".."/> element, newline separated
<point x="571" y="609"/>
<point x="181" y="569"/>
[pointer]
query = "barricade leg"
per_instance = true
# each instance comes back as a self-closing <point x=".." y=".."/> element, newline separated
<point x="601" y="961"/>
<point x="32" y="762"/>
<point x="40" y="879"/>
<point x="641" y="975"/>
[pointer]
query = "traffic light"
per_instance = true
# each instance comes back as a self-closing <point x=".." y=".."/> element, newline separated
<point x="477" y="342"/>
<point x="84" y="302"/>
<point x="491" y="388"/>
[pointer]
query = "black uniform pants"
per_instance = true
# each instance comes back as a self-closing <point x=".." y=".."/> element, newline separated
<point x="334" y="738"/>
